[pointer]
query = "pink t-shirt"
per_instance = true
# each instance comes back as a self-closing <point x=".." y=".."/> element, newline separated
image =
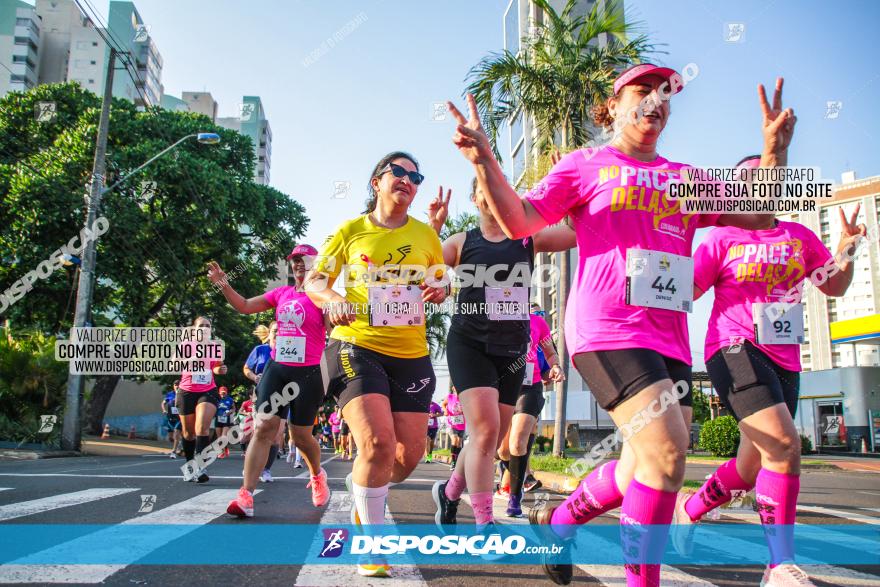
<point x="186" y="378"/>
<point x="617" y="203"/>
<point x="754" y="266"/>
<point x="539" y="331"/>
<point x="298" y="316"/>
<point x="334" y="422"/>
<point x="453" y="408"/>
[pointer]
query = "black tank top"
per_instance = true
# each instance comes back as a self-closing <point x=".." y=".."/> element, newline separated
<point x="501" y="337"/>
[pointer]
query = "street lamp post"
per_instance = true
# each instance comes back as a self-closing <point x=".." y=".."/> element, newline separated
<point x="71" y="434"/>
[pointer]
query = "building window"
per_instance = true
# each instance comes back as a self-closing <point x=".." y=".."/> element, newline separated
<point x="511" y="27"/>
<point x="519" y="163"/>
<point x="516" y="131"/>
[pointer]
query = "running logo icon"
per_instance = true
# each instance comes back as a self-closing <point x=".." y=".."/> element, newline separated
<point x="334" y="539"/>
<point x="412" y="387"/>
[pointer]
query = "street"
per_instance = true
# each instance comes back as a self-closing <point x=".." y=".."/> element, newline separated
<point x="108" y="490"/>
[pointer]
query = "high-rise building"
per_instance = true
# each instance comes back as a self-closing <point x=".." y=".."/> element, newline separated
<point x="20" y="46"/>
<point x="199" y="102"/>
<point x="252" y="122"/>
<point x="861" y="299"/>
<point x="129" y="33"/>
<point x="54" y="42"/>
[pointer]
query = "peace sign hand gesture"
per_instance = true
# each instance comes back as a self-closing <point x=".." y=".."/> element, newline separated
<point x="778" y="124"/>
<point x="850" y="234"/>
<point x="438" y="209"/>
<point x="469" y="136"/>
<point x="216" y="275"/>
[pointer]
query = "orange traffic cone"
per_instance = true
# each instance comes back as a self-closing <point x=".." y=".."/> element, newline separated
<point x="106" y="433"/>
<point x="131" y="432"/>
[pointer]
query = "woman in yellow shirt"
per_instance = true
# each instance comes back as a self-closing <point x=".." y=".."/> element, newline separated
<point x="377" y="362"/>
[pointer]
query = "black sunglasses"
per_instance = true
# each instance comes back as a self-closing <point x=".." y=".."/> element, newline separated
<point x="398" y="171"/>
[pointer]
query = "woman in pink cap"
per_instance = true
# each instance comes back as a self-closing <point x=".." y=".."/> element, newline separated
<point x="628" y="343"/>
<point x="291" y="385"/>
<point x="753" y="358"/>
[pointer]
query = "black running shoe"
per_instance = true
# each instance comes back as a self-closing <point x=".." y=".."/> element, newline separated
<point x="447" y="509"/>
<point x="557" y="567"/>
<point x="202" y="478"/>
<point x="531" y="484"/>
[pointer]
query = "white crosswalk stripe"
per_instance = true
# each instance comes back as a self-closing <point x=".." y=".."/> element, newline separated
<point x="852" y="516"/>
<point x="46" y="504"/>
<point x="181" y="519"/>
<point x="318" y="575"/>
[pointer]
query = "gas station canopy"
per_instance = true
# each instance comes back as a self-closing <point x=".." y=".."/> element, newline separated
<point x="865" y="330"/>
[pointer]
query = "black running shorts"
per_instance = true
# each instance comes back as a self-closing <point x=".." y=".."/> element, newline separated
<point x="530" y="400"/>
<point x="615" y="376"/>
<point x="353" y="371"/>
<point x="471" y="366"/>
<point x="186" y="401"/>
<point x="748" y="381"/>
<point x="308" y="394"/>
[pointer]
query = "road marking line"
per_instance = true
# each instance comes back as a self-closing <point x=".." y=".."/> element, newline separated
<point x="853" y="516"/>
<point x="321" y="575"/>
<point x="182" y="518"/>
<point x="45" y="504"/>
<point x="868" y="492"/>
<point x="306" y="473"/>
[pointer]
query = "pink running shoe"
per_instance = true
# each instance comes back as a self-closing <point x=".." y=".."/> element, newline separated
<point x="243" y="505"/>
<point x="320" y="490"/>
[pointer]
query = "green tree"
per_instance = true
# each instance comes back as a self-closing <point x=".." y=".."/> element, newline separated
<point x="701" y="406"/>
<point x="563" y="70"/>
<point x="151" y="263"/>
<point x="32" y="384"/>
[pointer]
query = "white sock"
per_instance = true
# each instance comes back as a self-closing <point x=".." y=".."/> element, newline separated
<point x="298" y="456"/>
<point x="370" y="503"/>
<point x="290" y="446"/>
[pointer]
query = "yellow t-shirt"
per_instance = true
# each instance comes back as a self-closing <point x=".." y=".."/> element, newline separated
<point x="376" y="254"/>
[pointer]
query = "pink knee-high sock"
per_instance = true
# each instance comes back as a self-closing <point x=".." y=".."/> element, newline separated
<point x="776" y="494"/>
<point x="596" y="494"/>
<point x="481" y="503"/>
<point x="643" y="507"/>
<point x="455" y="486"/>
<point x="715" y="491"/>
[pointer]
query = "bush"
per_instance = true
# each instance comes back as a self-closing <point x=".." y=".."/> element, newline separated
<point x="806" y="445"/>
<point x="541" y="442"/>
<point x="720" y="436"/>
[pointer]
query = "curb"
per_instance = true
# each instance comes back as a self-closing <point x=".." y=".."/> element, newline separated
<point x="32" y="455"/>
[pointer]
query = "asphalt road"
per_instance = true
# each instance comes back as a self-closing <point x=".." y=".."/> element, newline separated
<point x="108" y="490"/>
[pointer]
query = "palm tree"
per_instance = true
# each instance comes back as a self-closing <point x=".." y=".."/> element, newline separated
<point x="564" y="68"/>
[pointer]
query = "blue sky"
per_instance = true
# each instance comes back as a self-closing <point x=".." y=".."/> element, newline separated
<point x="373" y="91"/>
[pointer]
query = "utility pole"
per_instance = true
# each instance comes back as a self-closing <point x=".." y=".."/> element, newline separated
<point x="71" y="434"/>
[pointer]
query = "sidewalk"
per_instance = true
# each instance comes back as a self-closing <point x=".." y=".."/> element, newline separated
<point x="119" y="446"/>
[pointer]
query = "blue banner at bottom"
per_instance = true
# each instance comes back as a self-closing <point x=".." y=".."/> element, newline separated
<point x="247" y="543"/>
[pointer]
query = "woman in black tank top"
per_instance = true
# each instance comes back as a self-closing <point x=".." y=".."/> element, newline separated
<point x="487" y="346"/>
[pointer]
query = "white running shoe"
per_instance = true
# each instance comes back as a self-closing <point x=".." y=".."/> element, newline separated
<point x="682" y="534"/>
<point x="289" y="457"/>
<point x="266" y="476"/>
<point x="171" y="455"/>
<point x="785" y="575"/>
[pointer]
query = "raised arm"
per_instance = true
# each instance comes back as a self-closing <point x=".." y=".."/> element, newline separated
<point x="851" y="233"/>
<point x="517" y="218"/>
<point x="240" y="303"/>
<point x="778" y="128"/>
<point x="319" y="288"/>
<point x="554" y="239"/>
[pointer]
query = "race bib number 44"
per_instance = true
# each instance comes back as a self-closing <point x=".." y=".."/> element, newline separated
<point x="659" y="280"/>
<point x="507" y="303"/>
<point x="290" y="349"/>
<point x="778" y="323"/>
<point x="396" y="305"/>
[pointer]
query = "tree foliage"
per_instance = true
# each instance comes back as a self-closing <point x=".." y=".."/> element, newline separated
<point x="561" y="71"/>
<point x="151" y="263"/>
